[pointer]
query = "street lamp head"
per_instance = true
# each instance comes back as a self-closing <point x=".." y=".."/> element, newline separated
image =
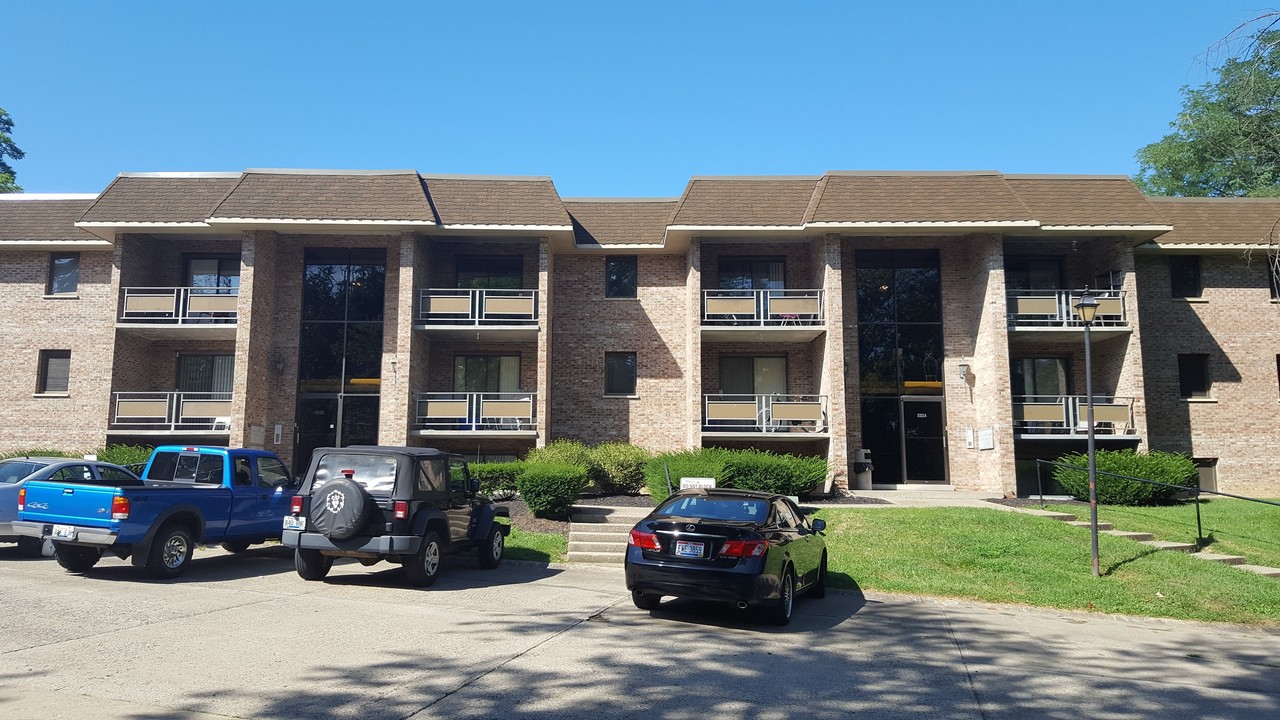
<point x="1087" y="307"/>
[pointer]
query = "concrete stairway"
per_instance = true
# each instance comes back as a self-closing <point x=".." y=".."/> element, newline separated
<point x="598" y="534"/>
<point x="1148" y="540"/>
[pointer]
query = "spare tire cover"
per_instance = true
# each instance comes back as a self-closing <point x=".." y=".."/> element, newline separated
<point x="340" y="508"/>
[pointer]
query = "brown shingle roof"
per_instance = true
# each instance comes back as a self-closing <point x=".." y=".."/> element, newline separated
<point x="1218" y="220"/>
<point x="619" y="222"/>
<point x="1080" y="200"/>
<point x="35" y="219"/>
<point x="327" y="195"/>
<point x="160" y="198"/>
<point x="916" y="197"/>
<point x="473" y="200"/>
<point x="745" y="201"/>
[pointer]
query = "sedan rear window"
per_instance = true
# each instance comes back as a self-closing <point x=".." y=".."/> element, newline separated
<point x="710" y="508"/>
<point x="375" y="473"/>
<point x="11" y="471"/>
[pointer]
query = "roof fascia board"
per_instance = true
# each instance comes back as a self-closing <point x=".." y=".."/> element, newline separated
<point x="1108" y="228"/>
<point x="103" y="244"/>
<point x="1155" y="247"/>
<point x="506" y="228"/>
<point x="317" y="221"/>
<point x="35" y="197"/>
<point x="966" y="224"/>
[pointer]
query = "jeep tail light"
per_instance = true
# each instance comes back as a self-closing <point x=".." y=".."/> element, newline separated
<point x="402" y="509"/>
<point x="22" y="498"/>
<point x="743" y="548"/>
<point x="119" y="508"/>
<point x="295" y="504"/>
<point x="645" y="540"/>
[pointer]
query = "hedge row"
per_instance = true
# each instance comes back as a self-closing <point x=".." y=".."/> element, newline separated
<point x="117" y="454"/>
<point x="745" y="469"/>
<point x="1161" y="467"/>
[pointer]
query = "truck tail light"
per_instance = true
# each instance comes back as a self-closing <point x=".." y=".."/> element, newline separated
<point x="644" y="540"/>
<point x="119" y="508"/>
<point x="743" y="548"/>
<point x="401" y="509"/>
<point x="295" y="504"/>
<point x="22" y="498"/>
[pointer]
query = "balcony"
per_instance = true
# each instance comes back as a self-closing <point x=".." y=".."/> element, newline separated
<point x="1051" y="315"/>
<point x="780" y="417"/>
<point x="482" y="314"/>
<point x="196" y="313"/>
<point x="1043" y="417"/>
<point x="168" y="413"/>
<point x="468" y="414"/>
<point x="762" y="315"/>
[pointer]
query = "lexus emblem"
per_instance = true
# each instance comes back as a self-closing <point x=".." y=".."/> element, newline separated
<point x="335" y="500"/>
<point x="690" y="528"/>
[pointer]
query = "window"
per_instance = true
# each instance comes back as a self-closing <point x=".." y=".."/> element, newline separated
<point x="431" y="475"/>
<point x="742" y="375"/>
<point x="1193" y="375"/>
<point x="619" y="373"/>
<point x="752" y="273"/>
<point x="1184" y="276"/>
<point x="113" y="476"/>
<point x="486" y="373"/>
<point x="271" y="473"/>
<point x="64" y="273"/>
<point x="55" y="371"/>
<point x="501" y="272"/>
<point x="1033" y="273"/>
<point x="243" y="476"/>
<point x="205" y="373"/>
<point x="620" y="276"/>
<point x="1041" y="378"/>
<point x="213" y="273"/>
<point x="73" y="474"/>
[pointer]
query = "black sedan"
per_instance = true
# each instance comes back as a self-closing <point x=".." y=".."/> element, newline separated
<point x="749" y="548"/>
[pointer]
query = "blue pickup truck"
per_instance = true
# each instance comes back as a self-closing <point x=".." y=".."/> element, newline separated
<point x="189" y="496"/>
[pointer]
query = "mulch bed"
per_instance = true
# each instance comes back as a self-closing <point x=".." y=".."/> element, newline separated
<point x="1034" y="502"/>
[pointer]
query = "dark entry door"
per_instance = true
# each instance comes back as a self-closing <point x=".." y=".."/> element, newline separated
<point x="334" y="421"/>
<point x="923" y="439"/>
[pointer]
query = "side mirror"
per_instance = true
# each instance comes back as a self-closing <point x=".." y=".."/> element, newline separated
<point x="475" y="486"/>
<point x="819" y="525"/>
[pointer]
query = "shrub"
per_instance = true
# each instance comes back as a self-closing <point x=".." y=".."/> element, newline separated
<point x="550" y="488"/>
<point x="618" y="467"/>
<point x="698" y="462"/>
<point x="1158" y="466"/>
<point x="563" y="452"/>
<point x="767" y="472"/>
<point x="37" y="452"/>
<point x="124" y="454"/>
<point x="497" y="480"/>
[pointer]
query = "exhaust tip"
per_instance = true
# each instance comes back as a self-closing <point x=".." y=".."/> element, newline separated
<point x="742" y="604"/>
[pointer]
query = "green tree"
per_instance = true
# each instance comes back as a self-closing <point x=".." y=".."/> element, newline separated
<point x="8" y="150"/>
<point x="1226" y="139"/>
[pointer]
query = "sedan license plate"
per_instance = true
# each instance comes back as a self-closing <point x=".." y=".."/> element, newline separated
<point x="295" y="522"/>
<point x="64" y="532"/>
<point x="684" y="548"/>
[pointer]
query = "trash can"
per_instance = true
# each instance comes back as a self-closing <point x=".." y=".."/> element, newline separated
<point x="862" y="468"/>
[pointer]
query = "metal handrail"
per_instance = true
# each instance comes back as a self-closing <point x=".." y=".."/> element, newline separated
<point x="171" y="411"/>
<point x="1196" y="490"/>
<point x="468" y="411"/>
<point x="173" y="305"/>
<point x="1063" y="313"/>
<point x="764" y="416"/>
<point x="768" y="308"/>
<point x="1074" y="416"/>
<point x="483" y="306"/>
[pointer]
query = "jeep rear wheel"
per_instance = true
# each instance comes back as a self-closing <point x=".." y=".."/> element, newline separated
<point x="423" y="567"/>
<point x="310" y="564"/>
<point x="491" y="548"/>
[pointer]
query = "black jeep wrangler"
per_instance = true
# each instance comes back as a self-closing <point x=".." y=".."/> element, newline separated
<point x="401" y="504"/>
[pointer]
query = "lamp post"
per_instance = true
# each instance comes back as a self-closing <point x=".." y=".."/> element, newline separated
<point x="1087" y="307"/>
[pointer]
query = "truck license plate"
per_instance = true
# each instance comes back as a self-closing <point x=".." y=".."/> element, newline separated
<point x="64" y="532"/>
<point x="295" y="522"/>
<point x="684" y="548"/>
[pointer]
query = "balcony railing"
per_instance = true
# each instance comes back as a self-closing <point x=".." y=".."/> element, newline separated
<point x="763" y="308"/>
<point x="453" y="306"/>
<point x="1056" y="309"/>
<point x="477" y="412"/>
<point x="171" y="411"/>
<point x="179" y="305"/>
<point x="1068" y="415"/>
<point x="765" y="413"/>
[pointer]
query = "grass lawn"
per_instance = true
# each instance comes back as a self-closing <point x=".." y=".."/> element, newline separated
<point x="539" y="547"/>
<point x="1007" y="557"/>
<point x="1231" y="527"/>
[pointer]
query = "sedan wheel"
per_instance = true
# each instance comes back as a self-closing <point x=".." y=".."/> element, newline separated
<point x="787" y="595"/>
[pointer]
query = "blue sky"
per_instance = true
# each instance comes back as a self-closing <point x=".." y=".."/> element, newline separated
<point x="611" y="99"/>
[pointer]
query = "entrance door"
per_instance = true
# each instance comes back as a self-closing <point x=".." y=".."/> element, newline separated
<point x="334" y="421"/>
<point x="924" y="443"/>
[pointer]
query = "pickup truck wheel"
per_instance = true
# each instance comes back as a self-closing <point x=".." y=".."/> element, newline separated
<point x="423" y="567"/>
<point x="30" y="547"/>
<point x="310" y="564"/>
<point x="238" y="546"/>
<point x="340" y="508"/>
<point x="170" y="552"/>
<point x="491" y="547"/>
<point x="74" y="558"/>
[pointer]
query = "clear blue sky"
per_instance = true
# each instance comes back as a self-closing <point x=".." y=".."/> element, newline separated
<point x="608" y="98"/>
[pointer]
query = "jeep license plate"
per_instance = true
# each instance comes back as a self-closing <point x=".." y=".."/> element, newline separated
<point x="64" y="532"/>
<point x="295" y="522"/>
<point x="684" y="548"/>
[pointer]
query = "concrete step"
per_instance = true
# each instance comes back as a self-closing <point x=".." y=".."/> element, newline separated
<point x="576" y="546"/>
<point x="599" y="558"/>
<point x="607" y="515"/>
<point x="1224" y="559"/>
<point x="1137" y="536"/>
<point x="588" y="533"/>
<point x="1167" y="545"/>
<point x="1085" y="524"/>
<point x="1049" y="514"/>
<point x="1261" y="570"/>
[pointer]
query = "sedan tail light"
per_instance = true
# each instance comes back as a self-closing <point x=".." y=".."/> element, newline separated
<point x="295" y="504"/>
<point x="644" y="540"/>
<point x="743" y="548"/>
<point x="22" y="498"/>
<point x="119" y="508"/>
<point x="401" y="509"/>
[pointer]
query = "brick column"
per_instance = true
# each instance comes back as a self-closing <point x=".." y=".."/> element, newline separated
<point x="832" y="383"/>
<point x="397" y="342"/>
<point x="693" y="346"/>
<point x="544" y="342"/>
<point x="257" y="369"/>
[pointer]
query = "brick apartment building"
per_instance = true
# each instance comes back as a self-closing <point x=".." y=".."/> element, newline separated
<point x="927" y="317"/>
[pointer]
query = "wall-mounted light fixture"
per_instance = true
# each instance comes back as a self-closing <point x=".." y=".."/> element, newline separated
<point x="964" y="372"/>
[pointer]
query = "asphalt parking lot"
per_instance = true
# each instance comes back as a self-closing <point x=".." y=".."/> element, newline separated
<point x="244" y="637"/>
